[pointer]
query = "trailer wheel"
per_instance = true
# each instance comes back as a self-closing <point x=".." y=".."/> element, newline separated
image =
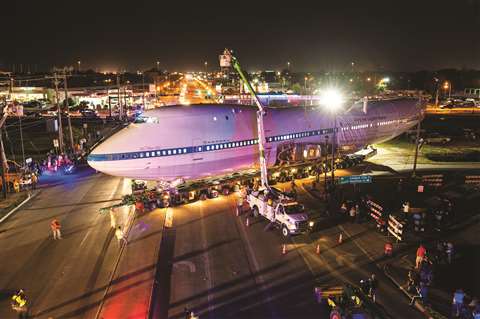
<point x="285" y="231"/>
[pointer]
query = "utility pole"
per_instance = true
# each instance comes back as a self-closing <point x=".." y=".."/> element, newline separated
<point x="120" y="110"/>
<point x="436" y="92"/>
<point x="19" y="121"/>
<point x="68" y="112"/>
<point x="143" y="90"/>
<point x="59" y="111"/>
<point x="3" y="167"/>
<point x="417" y="141"/>
<point x="325" y="166"/>
<point x="334" y="148"/>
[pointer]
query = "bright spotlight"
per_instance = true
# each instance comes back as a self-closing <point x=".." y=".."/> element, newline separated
<point x="331" y="98"/>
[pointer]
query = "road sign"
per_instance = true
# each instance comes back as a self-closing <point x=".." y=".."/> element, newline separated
<point x="355" y="179"/>
<point x="55" y="143"/>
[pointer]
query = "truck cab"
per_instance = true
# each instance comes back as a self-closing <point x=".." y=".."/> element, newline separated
<point x="280" y="210"/>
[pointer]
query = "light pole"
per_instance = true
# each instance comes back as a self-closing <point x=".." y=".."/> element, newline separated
<point x="325" y="164"/>
<point x="447" y="86"/>
<point x="332" y="99"/>
<point x="206" y="69"/>
<point x="79" y="64"/>
<point x="288" y="66"/>
<point x="158" y="66"/>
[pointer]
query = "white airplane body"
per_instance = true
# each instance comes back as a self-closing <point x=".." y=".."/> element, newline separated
<point x="199" y="141"/>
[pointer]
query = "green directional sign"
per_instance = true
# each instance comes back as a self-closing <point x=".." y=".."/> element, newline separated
<point x="355" y="179"/>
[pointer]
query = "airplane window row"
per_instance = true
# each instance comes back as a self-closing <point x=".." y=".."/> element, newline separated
<point x="362" y="126"/>
<point x="202" y="148"/>
<point x="299" y="135"/>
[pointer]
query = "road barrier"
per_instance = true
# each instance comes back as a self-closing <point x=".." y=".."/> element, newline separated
<point x="376" y="212"/>
<point x="395" y="227"/>
<point x="435" y="180"/>
<point x="472" y="179"/>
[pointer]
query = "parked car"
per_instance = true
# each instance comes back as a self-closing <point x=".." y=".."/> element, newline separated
<point x="89" y="113"/>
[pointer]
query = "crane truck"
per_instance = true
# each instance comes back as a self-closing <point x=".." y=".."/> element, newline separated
<point x="280" y="209"/>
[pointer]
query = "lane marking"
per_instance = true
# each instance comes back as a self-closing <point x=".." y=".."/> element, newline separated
<point x="258" y="277"/>
<point x="208" y="273"/>
<point x="98" y="215"/>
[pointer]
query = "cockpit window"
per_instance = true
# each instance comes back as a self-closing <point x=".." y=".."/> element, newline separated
<point x="146" y="119"/>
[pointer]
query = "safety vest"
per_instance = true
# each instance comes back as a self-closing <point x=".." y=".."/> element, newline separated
<point x="19" y="300"/>
<point x="356" y="300"/>
<point x="331" y="303"/>
<point x="55" y="225"/>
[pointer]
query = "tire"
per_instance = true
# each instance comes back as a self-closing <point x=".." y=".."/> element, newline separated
<point x="255" y="211"/>
<point x="285" y="231"/>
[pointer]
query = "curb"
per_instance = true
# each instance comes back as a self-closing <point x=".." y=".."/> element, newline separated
<point x="115" y="267"/>
<point x="417" y="304"/>
<point x="30" y="196"/>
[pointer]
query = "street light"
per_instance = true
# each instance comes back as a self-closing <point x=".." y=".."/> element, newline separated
<point x="158" y="66"/>
<point x="447" y="86"/>
<point x="288" y="66"/>
<point x="332" y="99"/>
<point x="79" y="64"/>
<point x="206" y="68"/>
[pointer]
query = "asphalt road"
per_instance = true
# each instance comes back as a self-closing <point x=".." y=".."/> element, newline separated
<point x="65" y="278"/>
<point x="223" y="269"/>
<point x="209" y="261"/>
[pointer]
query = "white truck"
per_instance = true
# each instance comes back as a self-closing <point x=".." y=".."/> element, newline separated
<point x="281" y="210"/>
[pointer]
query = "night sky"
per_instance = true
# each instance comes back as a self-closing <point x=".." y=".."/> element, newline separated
<point x="318" y="35"/>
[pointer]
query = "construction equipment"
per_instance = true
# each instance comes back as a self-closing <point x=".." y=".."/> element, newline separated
<point x="280" y="210"/>
<point x="260" y="114"/>
<point x="348" y="301"/>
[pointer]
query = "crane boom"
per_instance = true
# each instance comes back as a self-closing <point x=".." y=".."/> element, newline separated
<point x="260" y="114"/>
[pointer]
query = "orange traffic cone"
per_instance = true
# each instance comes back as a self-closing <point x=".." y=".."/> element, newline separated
<point x="284" y="249"/>
<point x="317" y="250"/>
<point x="247" y="223"/>
<point x="340" y="238"/>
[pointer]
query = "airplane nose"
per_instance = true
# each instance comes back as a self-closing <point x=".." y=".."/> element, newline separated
<point x="95" y="159"/>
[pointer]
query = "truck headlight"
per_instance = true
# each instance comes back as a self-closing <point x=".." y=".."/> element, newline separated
<point x="311" y="223"/>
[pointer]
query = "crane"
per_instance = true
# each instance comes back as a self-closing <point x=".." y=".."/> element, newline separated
<point x="260" y="114"/>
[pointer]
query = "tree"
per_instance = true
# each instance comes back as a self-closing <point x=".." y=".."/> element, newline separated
<point x="297" y="88"/>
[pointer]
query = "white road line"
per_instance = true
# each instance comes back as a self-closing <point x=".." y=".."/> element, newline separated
<point x="96" y="219"/>
<point x="208" y="273"/>
<point x="358" y="245"/>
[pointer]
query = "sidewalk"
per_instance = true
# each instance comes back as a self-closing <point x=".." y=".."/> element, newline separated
<point x="12" y="201"/>
<point x="129" y="293"/>
<point x="439" y="301"/>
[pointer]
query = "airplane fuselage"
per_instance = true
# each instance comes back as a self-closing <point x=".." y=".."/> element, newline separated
<point x="197" y="141"/>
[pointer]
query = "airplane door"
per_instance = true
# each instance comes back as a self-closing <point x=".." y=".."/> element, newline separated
<point x="197" y="156"/>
